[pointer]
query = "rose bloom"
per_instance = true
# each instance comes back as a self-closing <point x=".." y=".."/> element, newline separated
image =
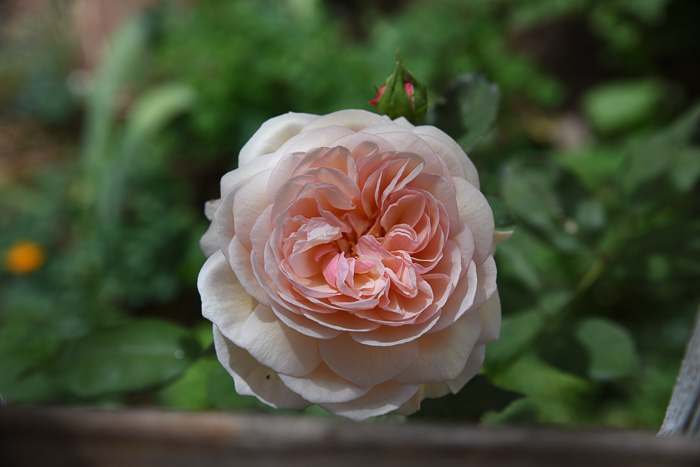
<point x="350" y="265"/>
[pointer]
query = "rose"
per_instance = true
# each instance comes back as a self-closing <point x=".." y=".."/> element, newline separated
<point x="350" y="265"/>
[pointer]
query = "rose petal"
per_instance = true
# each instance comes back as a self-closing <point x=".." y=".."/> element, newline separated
<point x="224" y="301"/>
<point x="393" y="335"/>
<point x="454" y="156"/>
<point x="366" y="365"/>
<point x="380" y="400"/>
<point x="277" y="346"/>
<point x="476" y="360"/>
<point x="253" y="379"/>
<point x="476" y="212"/>
<point x="272" y="134"/>
<point x="491" y="316"/>
<point x="323" y="386"/>
<point x="443" y="355"/>
<point x="209" y="243"/>
<point x="461" y="300"/>
<point x="241" y="263"/>
<point x="248" y="204"/>
<point x="351" y="118"/>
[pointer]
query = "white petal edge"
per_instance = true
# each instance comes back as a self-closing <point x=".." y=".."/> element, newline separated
<point x="353" y="119"/>
<point x="456" y="159"/>
<point x="253" y="379"/>
<point x="272" y="134"/>
<point x="476" y="212"/>
<point x="382" y="399"/>
<point x="209" y="243"/>
<point x="240" y="261"/>
<point x="491" y="320"/>
<point x="476" y="360"/>
<point x="277" y="346"/>
<point x="366" y="365"/>
<point x="323" y="386"/>
<point x="443" y="355"/>
<point x="224" y="300"/>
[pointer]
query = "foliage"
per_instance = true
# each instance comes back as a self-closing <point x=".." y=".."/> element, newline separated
<point x="598" y="282"/>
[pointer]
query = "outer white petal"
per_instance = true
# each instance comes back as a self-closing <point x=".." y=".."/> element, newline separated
<point x="224" y="301"/>
<point x="253" y="379"/>
<point x="277" y="346"/>
<point x="366" y="365"/>
<point x="413" y="404"/>
<point x="245" y="172"/>
<point x="476" y="212"/>
<point x="248" y="204"/>
<point x="210" y="208"/>
<point x="476" y="360"/>
<point x="456" y="159"/>
<point x="444" y="354"/>
<point x="491" y="316"/>
<point x="223" y="221"/>
<point x="240" y="261"/>
<point x="314" y="138"/>
<point x="380" y="400"/>
<point x="324" y="386"/>
<point x="209" y="243"/>
<point x="272" y="134"/>
<point x="353" y="119"/>
<point x="486" y="273"/>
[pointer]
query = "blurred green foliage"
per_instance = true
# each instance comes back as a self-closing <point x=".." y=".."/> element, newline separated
<point x="596" y="171"/>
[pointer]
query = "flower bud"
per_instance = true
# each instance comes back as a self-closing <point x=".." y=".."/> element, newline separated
<point x="402" y="95"/>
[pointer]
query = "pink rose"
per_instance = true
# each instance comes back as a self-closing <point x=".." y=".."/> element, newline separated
<point x="350" y="265"/>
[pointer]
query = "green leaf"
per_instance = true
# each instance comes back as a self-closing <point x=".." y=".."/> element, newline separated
<point x="552" y="396"/>
<point x="551" y="202"/>
<point x="610" y="346"/>
<point x="154" y="110"/>
<point x="621" y="105"/>
<point x="517" y="333"/>
<point x="134" y="356"/>
<point x="467" y="110"/>
<point x="651" y="167"/>
<point x="477" y="397"/>
<point x="23" y="349"/>
<point x="563" y="351"/>
<point x="189" y="392"/>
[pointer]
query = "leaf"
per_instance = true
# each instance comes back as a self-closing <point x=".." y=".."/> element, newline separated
<point x="517" y="333"/>
<point x="552" y="395"/>
<point x="134" y="356"/>
<point x="620" y="105"/>
<point x="477" y="397"/>
<point x="563" y="351"/>
<point x="189" y="392"/>
<point x="650" y="168"/>
<point x="154" y="110"/>
<point x="551" y="202"/>
<point x="467" y="110"/>
<point x="23" y="349"/>
<point x="610" y="346"/>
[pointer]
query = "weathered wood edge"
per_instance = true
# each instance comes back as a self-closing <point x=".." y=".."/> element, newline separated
<point x="62" y="436"/>
<point x="683" y="412"/>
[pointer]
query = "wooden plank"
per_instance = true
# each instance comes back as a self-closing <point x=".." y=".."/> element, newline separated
<point x="69" y="437"/>
<point x="683" y="412"/>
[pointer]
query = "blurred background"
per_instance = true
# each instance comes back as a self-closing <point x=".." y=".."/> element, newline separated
<point x="118" y="118"/>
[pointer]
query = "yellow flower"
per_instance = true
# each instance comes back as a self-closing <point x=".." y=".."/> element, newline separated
<point x="24" y="257"/>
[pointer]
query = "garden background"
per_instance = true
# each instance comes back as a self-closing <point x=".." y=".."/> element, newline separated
<point x="117" y="120"/>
